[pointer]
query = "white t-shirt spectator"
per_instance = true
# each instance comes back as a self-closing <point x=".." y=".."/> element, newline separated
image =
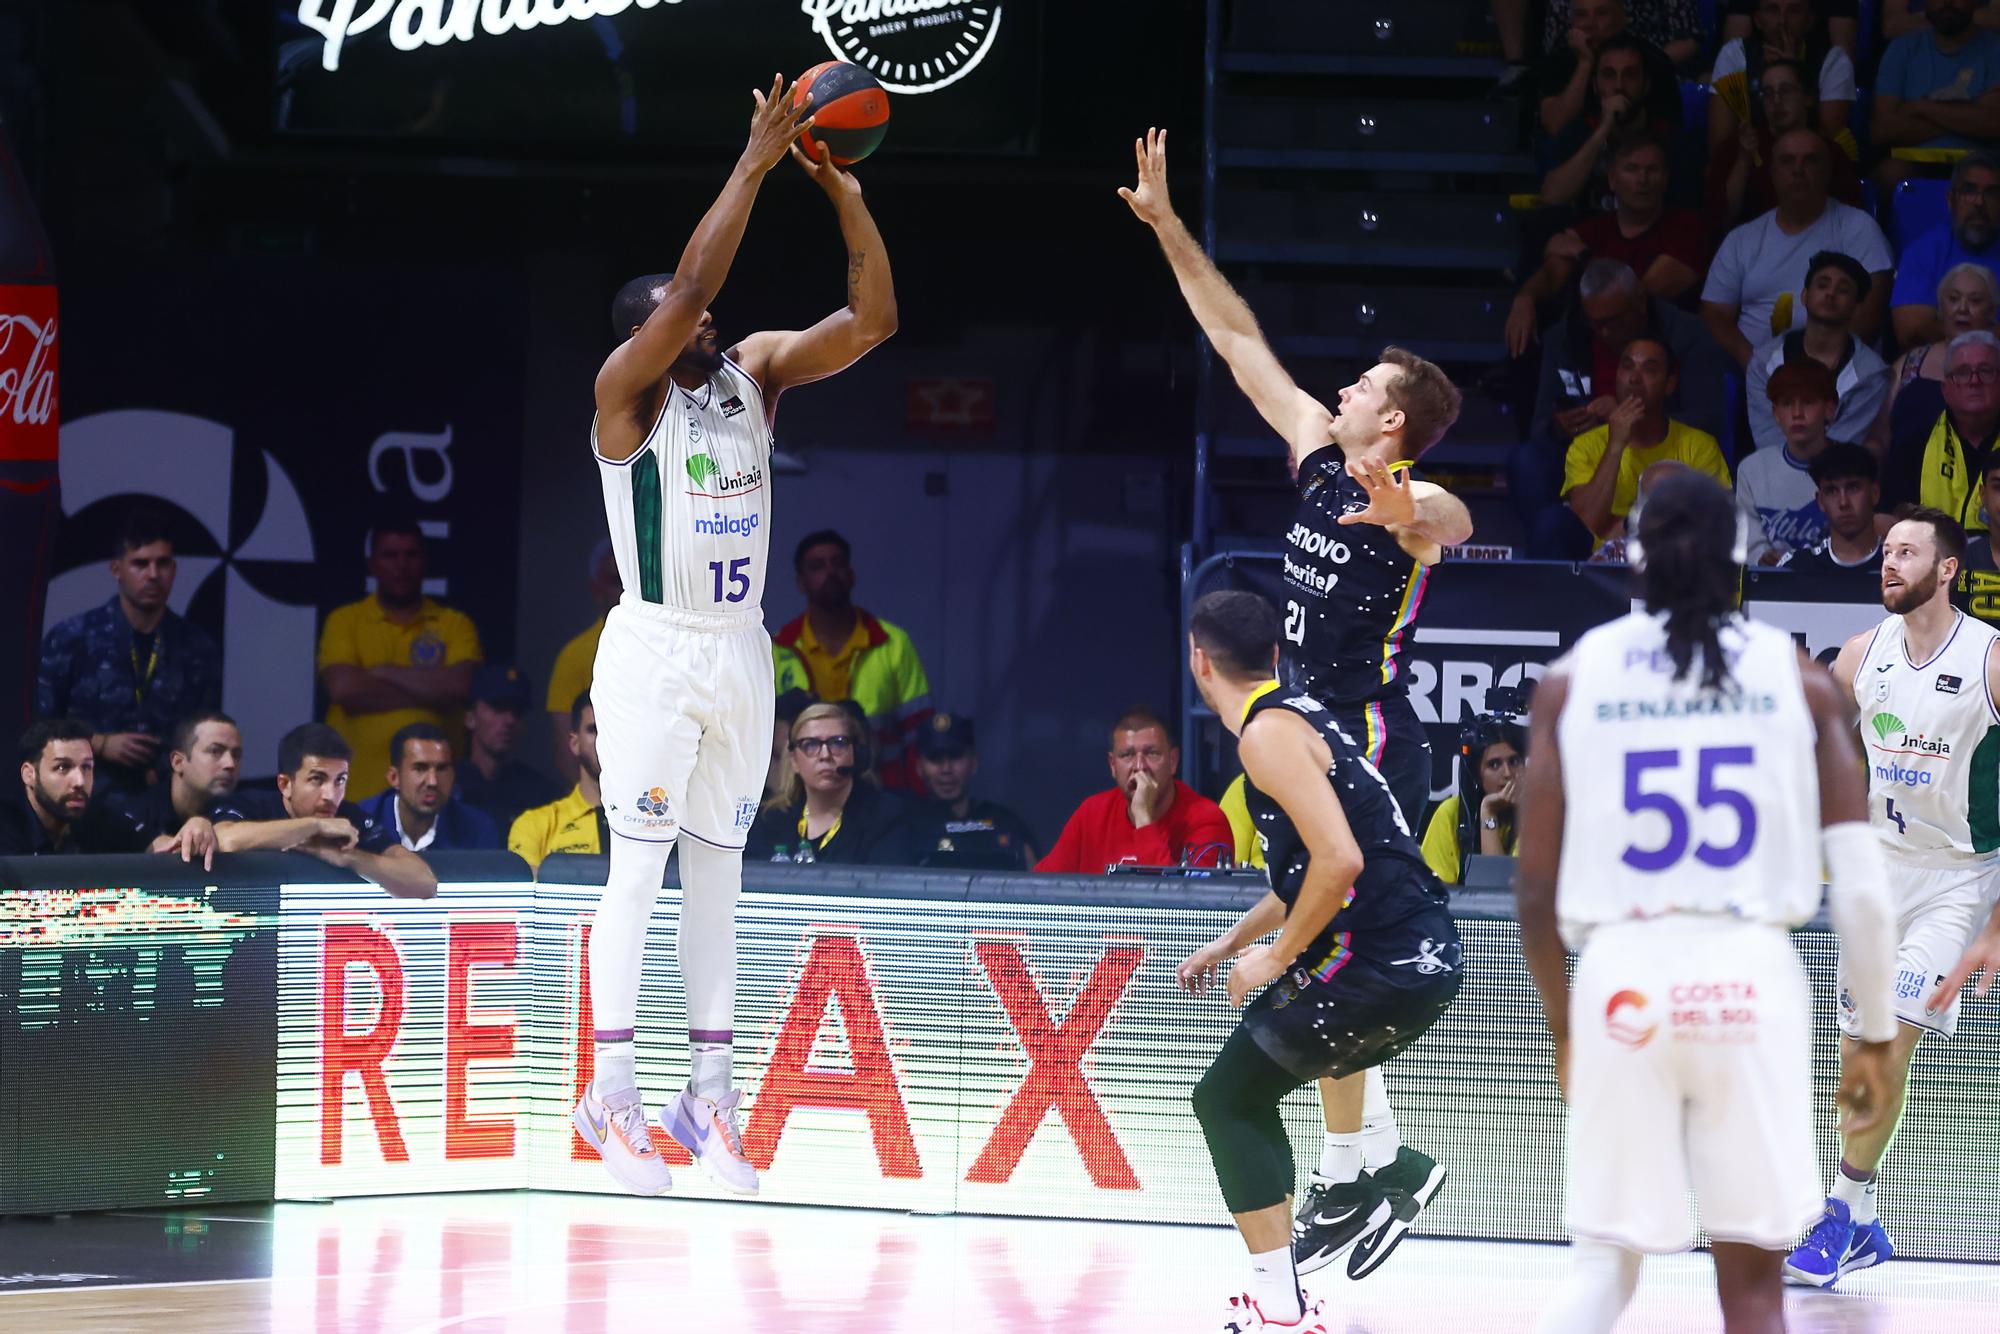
<point x="1862" y="383"/>
<point x="1836" y="72"/>
<point x="1778" y="497"/>
<point x="1757" y="263"/>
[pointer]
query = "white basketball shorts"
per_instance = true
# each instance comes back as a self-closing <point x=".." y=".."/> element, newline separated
<point x="684" y="704"/>
<point x="1939" y="909"/>
<point x="1690" y="1069"/>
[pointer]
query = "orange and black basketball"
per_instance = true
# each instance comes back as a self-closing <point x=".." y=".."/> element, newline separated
<point x="849" y="109"/>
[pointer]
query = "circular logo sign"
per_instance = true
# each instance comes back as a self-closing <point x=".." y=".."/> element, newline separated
<point x="910" y="46"/>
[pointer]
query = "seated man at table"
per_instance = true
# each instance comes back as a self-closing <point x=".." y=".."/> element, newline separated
<point x="309" y="813"/>
<point x="50" y="812"/>
<point x="418" y="806"/>
<point x="203" y="766"/>
<point x="1147" y="817"/>
<point x="574" y="823"/>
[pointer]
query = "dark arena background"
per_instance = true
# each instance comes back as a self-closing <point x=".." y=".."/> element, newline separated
<point x="284" y="281"/>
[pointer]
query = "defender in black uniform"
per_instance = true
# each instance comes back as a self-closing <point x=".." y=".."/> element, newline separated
<point x="1366" y="959"/>
<point x="1356" y="561"/>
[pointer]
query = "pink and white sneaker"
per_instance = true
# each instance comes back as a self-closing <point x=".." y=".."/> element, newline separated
<point x="617" y="1130"/>
<point x="1245" y="1317"/>
<point x="708" y="1131"/>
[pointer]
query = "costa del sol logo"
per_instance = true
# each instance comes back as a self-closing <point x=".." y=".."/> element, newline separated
<point x="910" y="46"/>
<point x="1634" y="1029"/>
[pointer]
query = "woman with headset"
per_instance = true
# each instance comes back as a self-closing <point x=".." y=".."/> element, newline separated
<point x="1479" y="817"/>
<point x="829" y="807"/>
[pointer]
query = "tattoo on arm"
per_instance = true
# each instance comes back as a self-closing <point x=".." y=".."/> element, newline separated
<point x="855" y="263"/>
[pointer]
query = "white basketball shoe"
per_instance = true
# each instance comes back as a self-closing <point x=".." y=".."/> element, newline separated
<point x="617" y="1130"/>
<point x="708" y="1131"/>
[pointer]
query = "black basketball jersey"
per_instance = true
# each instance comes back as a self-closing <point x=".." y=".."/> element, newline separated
<point x="1394" y="884"/>
<point x="1351" y="593"/>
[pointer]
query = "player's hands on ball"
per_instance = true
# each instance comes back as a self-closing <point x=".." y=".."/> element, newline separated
<point x="1149" y="197"/>
<point x="774" y="127"/>
<point x="1255" y="967"/>
<point x="1864" y="1075"/>
<point x="1198" y="972"/>
<point x="836" y="181"/>
<point x="1389" y="498"/>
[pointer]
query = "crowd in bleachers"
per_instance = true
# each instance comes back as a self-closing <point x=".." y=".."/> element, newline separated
<point x="1766" y="229"/>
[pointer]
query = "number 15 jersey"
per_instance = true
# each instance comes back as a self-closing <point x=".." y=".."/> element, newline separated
<point x="1680" y="799"/>
<point x="690" y="510"/>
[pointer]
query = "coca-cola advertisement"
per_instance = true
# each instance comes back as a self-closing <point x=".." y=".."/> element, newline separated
<point x="274" y="408"/>
<point x="29" y="494"/>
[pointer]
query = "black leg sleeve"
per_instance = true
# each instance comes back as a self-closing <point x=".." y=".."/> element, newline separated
<point x="1237" y="1105"/>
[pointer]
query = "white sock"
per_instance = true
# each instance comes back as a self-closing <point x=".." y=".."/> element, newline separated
<point x="711" y="882"/>
<point x="1340" y="1157"/>
<point x="1858" y="1196"/>
<point x="1274" y="1285"/>
<point x="1601" y="1280"/>
<point x="1379" y="1137"/>
<point x="615" y="1073"/>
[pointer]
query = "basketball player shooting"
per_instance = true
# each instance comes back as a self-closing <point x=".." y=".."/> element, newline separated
<point x="1366" y="957"/>
<point x="683" y="683"/>
<point x="1927" y="683"/>
<point x="1356" y="559"/>
<point x="1684" y="1044"/>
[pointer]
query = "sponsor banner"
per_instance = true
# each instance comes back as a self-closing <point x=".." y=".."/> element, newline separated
<point x="961" y="74"/>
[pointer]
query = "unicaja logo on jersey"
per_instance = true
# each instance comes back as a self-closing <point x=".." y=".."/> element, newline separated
<point x="1887" y="725"/>
<point x="709" y="480"/>
<point x="1634" y="1030"/>
<point x="910" y="46"/>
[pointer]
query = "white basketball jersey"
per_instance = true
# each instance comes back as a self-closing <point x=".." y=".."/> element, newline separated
<point x="690" y="511"/>
<point x="1680" y="799"/>
<point x="1933" y="744"/>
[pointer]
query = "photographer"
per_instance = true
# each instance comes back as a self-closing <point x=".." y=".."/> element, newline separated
<point x="1479" y="817"/>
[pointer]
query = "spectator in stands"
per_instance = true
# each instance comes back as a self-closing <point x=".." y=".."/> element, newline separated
<point x="1748" y="296"/>
<point x="395" y="657"/>
<point x="1147" y="816"/>
<point x="1836" y="16"/>
<point x="1976" y="591"/>
<point x="951" y="829"/>
<point x="574" y="823"/>
<point x="1235" y="803"/>
<point x="570" y="676"/>
<point x="790" y="705"/>
<point x="1900" y="17"/>
<point x="1666" y="246"/>
<point x="51" y="812"/>
<point x="309" y="813"/>
<point x="1580" y="370"/>
<point x="418" y="808"/>
<point x="491" y="780"/>
<point x="1835" y="286"/>
<point x="1937" y="89"/>
<point x="1601" y="476"/>
<point x="1844" y="485"/>
<point x="1938" y="462"/>
<point x="206" y="758"/>
<point x="1968" y="299"/>
<point x="131" y="668"/>
<point x="1791" y="31"/>
<point x="1739" y="168"/>
<point x="1575" y="30"/>
<point x="1479" y="816"/>
<point x="837" y="651"/>
<point x="1774" y="487"/>
<point x="1622" y="103"/>
<point x="830" y="810"/>
<point x="1970" y="236"/>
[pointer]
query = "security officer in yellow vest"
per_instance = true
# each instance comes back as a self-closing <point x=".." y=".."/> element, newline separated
<point x="951" y="830"/>
<point x="1937" y="460"/>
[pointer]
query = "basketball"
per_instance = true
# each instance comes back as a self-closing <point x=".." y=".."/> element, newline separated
<point x="849" y="109"/>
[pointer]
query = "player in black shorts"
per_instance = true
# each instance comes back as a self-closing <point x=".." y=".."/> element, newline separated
<point x="1366" y="958"/>
<point x="1356" y="559"/>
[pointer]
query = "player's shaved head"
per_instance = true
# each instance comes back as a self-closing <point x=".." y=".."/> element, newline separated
<point x="635" y="301"/>
<point x="1239" y="633"/>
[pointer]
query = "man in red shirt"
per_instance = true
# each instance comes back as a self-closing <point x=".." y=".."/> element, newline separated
<point x="1148" y="817"/>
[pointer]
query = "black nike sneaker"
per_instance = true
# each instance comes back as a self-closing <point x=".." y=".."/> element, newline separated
<point x="1407" y="1185"/>
<point x="1333" y="1217"/>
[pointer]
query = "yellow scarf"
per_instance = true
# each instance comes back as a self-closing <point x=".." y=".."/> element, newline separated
<point x="1947" y="481"/>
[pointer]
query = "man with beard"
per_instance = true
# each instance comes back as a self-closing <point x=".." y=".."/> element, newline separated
<point x="1937" y="89"/>
<point x="572" y="823"/>
<point x="53" y="814"/>
<point x="1967" y="237"/>
<point x="491" y="779"/>
<point x="1357" y="555"/>
<point x="1927" y="680"/>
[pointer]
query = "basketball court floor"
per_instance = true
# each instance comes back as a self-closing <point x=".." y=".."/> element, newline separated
<point x="586" y="1264"/>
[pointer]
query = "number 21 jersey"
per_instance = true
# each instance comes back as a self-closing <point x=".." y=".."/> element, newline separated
<point x="1680" y="799"/>
<point x="690" y="511"/>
